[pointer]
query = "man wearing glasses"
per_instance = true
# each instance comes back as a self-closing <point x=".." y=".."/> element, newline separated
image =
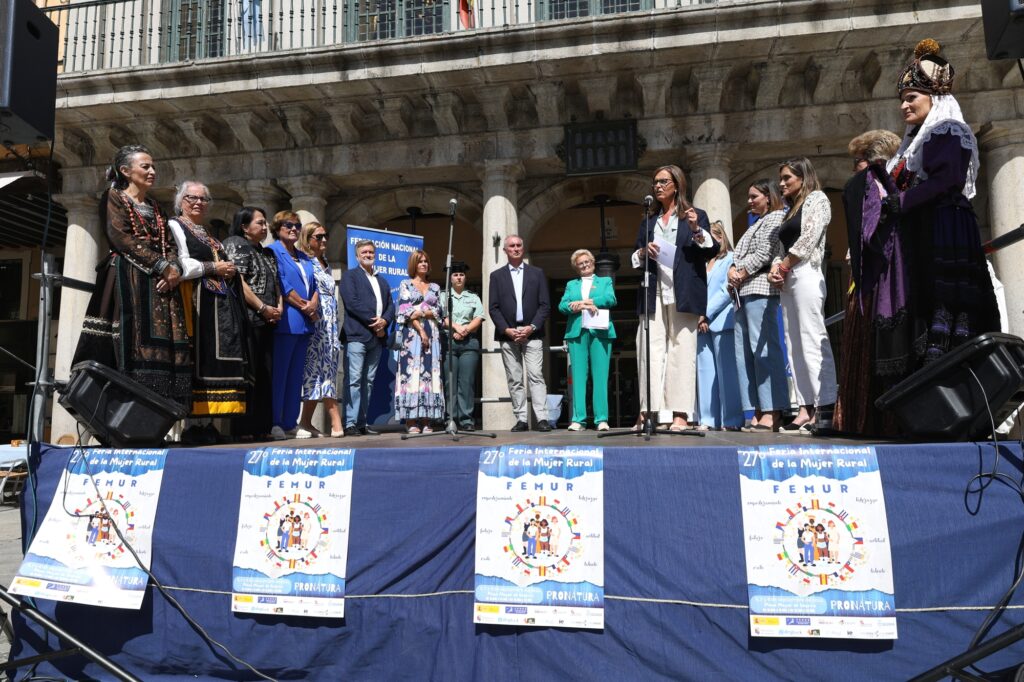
<point x="519" y="305"/>
<point x="369" y="312"/>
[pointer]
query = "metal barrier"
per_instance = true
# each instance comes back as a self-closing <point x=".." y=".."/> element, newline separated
<point x="117" y="34"/>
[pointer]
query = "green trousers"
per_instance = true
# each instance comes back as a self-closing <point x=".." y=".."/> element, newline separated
<point x="589" y="354"/>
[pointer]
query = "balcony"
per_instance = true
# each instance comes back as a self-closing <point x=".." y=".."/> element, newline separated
<point x="119" y="34"/>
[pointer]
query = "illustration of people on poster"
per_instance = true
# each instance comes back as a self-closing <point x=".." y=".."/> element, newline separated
<point x="540" y="536"/>
<point x="291" y="550"/>
<point x="106" y="500"/>
<point x="817" y="543"/>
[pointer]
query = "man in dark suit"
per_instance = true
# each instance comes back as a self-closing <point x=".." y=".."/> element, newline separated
<point x="368" y="313"/>
<point x="519" y="305"/>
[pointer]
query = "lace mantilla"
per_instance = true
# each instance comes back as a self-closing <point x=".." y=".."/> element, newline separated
<point x="944" y="118"/>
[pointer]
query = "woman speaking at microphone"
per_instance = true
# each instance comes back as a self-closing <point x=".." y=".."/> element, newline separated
<point x="675" y="298"/>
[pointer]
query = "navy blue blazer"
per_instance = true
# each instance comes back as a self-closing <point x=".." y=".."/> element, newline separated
<point x="501" y="302"/>
<point x="289" y="279"/>
<point x="361" y="306"/>
<point x="689" y="270"/>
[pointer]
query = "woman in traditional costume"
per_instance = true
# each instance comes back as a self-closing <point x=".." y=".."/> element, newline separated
<point x="135" y="322"/>
<point x="257" y="266"/>
<point x="215" y="315"/>
<point x="871" y="357"/>
<point x="949" y="294"/>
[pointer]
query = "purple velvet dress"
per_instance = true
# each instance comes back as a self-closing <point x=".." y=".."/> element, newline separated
<point x="950" y="296"/>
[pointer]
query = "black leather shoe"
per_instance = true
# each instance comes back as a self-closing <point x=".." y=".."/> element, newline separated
<point x="519" y="427"/>
<point x="467" y="427"/>
<point x="543" y="426"/>
<point x="367" y="431"/>
<point x="353" y="431"/>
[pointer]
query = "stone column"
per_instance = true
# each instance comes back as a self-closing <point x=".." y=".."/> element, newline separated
<point x="309" y="195"/>
<point x="500" y="188"/>
<point x="1002" y="166"/>
<point x="84" y="247"/>
<point x="709" y="175"/>
<point x="262" y="194"/>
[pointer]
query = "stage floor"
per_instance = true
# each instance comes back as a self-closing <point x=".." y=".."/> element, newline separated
<point x="560" y="437"/>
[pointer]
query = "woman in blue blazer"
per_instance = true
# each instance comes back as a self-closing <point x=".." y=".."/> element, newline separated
<point x="675" y="299"/>
<point x="291" y="337"/>
<point x="590" y="346"/>
<point x="718" y="392"/>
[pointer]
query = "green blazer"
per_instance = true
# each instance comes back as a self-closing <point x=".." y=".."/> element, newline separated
<point x="603" y="295"/>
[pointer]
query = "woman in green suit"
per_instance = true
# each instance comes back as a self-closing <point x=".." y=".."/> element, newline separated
<point x="589" y="336"/>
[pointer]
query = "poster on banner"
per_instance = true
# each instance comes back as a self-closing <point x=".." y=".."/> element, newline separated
<point x="291" y="549"/>
<point x="392" y="251"/>
<point x="77" y="555"/>
<point x="540" y="537"/>
<point x="817" y="542"/>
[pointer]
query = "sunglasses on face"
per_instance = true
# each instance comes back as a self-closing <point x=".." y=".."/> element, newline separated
<point x="320" y="237"/>
<point x="291" y="226"/>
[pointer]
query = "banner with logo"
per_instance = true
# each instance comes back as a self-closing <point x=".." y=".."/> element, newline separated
<point x="392" y="250"/>
<point x="817" y="542"/>
<point x="291" y="550"/>
<point x="540" y="537"/>
<point x="103" y="509"/>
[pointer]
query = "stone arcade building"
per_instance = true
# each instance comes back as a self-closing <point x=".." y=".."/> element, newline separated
<point x="354" y="131"/>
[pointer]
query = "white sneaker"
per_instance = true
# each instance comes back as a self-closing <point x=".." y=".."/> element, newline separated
<point x="603" y="426"/>
<point x="303" y="434"/>
<point x="575" y="426"/>
<point x="277" y="433"/>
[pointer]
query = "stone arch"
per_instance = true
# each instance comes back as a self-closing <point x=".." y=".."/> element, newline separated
<point x="380" y="206"/>
<point x="573" y="191"/>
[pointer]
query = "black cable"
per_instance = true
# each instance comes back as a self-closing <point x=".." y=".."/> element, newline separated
<point x="200" y="630"/>
<point x="985" y="479"/>
<point x="43" y="369"/>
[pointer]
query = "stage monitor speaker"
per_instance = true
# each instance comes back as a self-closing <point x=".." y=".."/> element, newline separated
<point x="943" y="402"/>
<point x="1004" y="28"/>
<point x="120" y="412"/>
<point x="28" y="73"/>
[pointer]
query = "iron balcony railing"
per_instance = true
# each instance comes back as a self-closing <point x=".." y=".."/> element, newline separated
<point x="116" y="34"/>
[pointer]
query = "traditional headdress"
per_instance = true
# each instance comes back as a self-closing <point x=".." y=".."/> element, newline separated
<point x="928" y="72"/>
<point x="932" y="74"/>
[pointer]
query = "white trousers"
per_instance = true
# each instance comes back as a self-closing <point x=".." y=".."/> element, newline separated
<point x="673" y="360"/>
<point x="810" y="354"/>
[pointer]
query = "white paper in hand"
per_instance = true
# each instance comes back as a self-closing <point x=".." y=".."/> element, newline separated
<point x="666" y="252"/>
<point x="598" y="320"/>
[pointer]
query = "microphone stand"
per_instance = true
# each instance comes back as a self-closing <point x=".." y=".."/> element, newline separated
<point x="452" y="427"/>
<point x="648" y="418"/>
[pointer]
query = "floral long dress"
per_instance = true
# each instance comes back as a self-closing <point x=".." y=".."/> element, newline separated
<point x="324" y="352"/>
<point x="419" y="393"/>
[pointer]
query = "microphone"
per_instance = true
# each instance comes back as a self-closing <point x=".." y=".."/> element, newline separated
<point x="451" y="206"/>
<point x="648" y="200"/>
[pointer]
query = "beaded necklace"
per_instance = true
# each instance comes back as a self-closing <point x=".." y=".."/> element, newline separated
<point x="138" y="221"/>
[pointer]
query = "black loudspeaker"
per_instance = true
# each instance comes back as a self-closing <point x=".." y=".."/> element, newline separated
<point x="1004" y="28"/>
<point x="120" y="412"/>
<point x="943" y="402"/>
<point x="28" y="73"/>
